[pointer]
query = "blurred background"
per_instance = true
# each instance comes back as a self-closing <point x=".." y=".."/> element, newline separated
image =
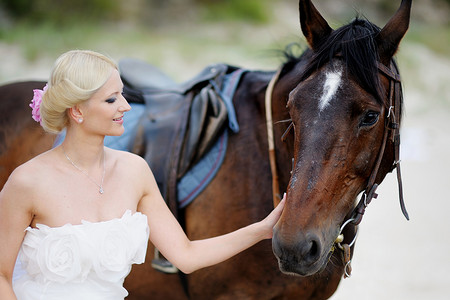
<point x="394" y="258"/>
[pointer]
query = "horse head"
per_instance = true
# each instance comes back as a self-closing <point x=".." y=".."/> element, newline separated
<point x="340" y="111"/>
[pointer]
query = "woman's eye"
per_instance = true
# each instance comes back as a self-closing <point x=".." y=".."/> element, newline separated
<point x="370" y="118"/>
<point x="111" y="100"/>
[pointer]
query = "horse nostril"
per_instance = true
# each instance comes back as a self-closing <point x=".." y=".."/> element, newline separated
<point x="304" y="251"/>
<point x="314" y="251"/>
<point x="310" y="251"/>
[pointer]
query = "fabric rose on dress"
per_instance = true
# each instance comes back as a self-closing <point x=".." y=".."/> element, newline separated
<point x="114" y="252"/>
<point x="59" y="256"/>
<point x="139" y="234"/>
<point x="36" y="104"/>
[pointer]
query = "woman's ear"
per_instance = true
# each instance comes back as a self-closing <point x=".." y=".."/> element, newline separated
<point x="76" y="114"/>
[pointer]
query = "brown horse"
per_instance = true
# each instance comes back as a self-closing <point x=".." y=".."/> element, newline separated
<point x="20" y="137"/>
<point x="341" y="103"/>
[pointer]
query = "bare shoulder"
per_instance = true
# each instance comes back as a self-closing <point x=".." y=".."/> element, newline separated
<point x="135" y="171"/>
<point x="25" y="182"/>
<point x="128" y="162"/>
<point x="26" y="175"/>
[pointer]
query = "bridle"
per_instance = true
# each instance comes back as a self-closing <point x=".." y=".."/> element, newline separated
<point x="391" y="131"/>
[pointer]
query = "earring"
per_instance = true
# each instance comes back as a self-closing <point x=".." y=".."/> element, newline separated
<point x="80" y="120"/>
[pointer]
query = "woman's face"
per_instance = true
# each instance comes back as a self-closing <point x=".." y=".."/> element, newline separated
<point x="103" y="112"/>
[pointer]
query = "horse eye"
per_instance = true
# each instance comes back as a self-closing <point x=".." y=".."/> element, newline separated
<point x="370" y="118"/>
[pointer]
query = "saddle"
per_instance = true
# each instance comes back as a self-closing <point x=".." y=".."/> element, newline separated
<point x="180" y="122"/>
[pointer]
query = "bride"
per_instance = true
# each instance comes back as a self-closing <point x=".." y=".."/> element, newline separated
<point x="79" y="215"/>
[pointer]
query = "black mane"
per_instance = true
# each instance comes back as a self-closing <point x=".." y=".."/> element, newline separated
<point x="355" y="44"/>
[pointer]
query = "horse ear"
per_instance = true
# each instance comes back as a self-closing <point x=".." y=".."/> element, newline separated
<point x="390" y="36"/>
<point x="314" y="27"/>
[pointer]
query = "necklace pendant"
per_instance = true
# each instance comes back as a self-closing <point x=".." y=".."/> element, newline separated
<point x="101" y="191"/>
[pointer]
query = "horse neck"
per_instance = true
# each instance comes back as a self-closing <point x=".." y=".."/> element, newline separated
<point x="258" y="83"/>
<point x="249" y="101"/>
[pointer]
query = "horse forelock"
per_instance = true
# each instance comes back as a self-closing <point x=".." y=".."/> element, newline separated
<point x="355" y="44"/>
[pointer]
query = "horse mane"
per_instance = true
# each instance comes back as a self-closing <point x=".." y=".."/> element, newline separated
<point x="355" y="44"/>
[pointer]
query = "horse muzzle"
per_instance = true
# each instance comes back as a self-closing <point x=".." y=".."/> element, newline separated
<point x="305" y="255"/>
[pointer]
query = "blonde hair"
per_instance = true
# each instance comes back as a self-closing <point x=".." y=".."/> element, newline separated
<point x="76" y="76"/>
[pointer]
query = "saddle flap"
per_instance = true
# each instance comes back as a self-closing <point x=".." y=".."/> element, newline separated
<point x="206" y="118"/>
<point x="181" y="123"/>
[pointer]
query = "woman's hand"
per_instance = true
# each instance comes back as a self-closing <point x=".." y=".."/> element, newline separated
<point x="273" y="217"/>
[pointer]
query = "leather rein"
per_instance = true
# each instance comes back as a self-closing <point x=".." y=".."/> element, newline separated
<point x="392" y="131"/>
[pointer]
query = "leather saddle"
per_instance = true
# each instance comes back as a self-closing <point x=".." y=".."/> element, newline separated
<point x="181" y="120"/>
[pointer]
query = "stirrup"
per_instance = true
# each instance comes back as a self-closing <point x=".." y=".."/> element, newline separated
<point x="163" y="265"/>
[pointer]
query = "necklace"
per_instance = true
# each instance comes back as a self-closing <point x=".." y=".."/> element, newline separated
<point x="100" y="186"/>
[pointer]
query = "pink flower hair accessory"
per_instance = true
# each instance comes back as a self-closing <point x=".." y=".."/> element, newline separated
<point x="36" y="104"/>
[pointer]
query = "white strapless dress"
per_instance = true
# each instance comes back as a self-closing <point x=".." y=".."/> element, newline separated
<point x="81" y="262"/>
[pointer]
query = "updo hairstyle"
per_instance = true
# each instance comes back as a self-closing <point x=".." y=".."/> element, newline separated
<point x="76" y="76"/>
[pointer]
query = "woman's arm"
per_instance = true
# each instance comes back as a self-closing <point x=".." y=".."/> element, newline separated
<point x="15" y="216"/>
<point x="168" y="236"/>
